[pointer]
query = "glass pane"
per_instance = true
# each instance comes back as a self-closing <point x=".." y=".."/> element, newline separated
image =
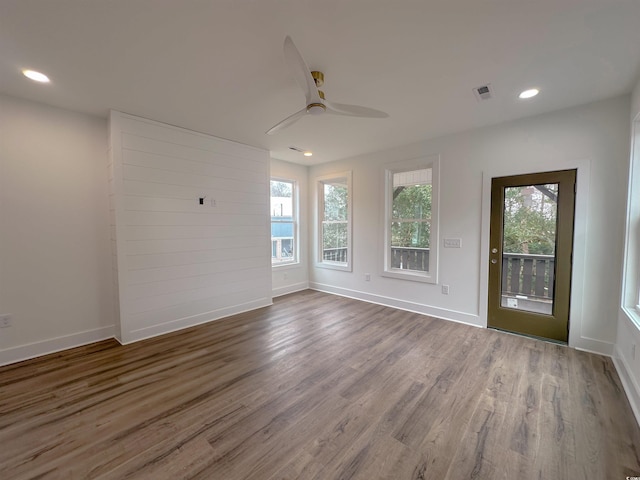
<point x="410" y="245"/>
<point x="529" y="247"/>
<point x="335" y="201"/>
<point x="412" y="194"/>
<point x="281" y="199"/>
<point x="287" y="248"/>
<point x="282" y="225"/>
<point x="334" y="242"/>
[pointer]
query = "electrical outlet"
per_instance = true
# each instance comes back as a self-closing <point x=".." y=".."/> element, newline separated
<point x="367" y="277"/>
<point x="284" y="276"/>
<point x="5" y="320"/>
<point x="445" y="289"/>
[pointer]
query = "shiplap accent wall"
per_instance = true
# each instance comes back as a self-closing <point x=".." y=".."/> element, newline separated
<point x="178" y="263"/>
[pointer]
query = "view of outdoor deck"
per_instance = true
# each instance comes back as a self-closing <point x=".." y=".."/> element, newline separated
<point x="527" y="279"/>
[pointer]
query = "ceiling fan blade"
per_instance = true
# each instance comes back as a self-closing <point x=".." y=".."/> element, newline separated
<point x="300" y="71"/>
<point x="354" y="110"/>
<point x="287" y="121"/>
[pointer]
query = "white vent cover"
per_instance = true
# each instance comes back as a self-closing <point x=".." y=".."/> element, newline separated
<point x="484" y="92"/>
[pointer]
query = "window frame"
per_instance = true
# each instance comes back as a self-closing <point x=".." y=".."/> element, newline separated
<point x="630" y="300"/>
<point x="294" y="220"/>
<point x="342" y="177"/>
<point x="432" y="162"/>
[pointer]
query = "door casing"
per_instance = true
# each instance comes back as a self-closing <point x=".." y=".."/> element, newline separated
<point x="555" y="326"/>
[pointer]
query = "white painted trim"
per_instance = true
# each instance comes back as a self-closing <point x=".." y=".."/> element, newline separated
<point x="442" y="313"/>
<point x="431" y="162"/>
<point x="53" y="345"/>
<point x="631" y="388"/>
<point x="319" y="261"/>
<point x="591" y="345"/>
<point x="630" y="288"/>
<point x="186" y="322"/>
<point x="296" y="287"/>
<point x="583" y="181"/>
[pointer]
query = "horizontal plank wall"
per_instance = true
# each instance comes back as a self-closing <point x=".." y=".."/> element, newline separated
<point x="180" y="261"/>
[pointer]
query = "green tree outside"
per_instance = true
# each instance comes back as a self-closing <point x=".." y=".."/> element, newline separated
<point x="411" y="216"/>
<point x="530" y="219"/>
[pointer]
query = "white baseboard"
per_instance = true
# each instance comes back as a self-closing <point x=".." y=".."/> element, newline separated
<point x="451" y="315"/>
<point x="593" y="346"/>
<point x="631" y="388"/>
<point x="181" y="323"/>
<point x="297" y="287"/>
<point x="53" y="345"/>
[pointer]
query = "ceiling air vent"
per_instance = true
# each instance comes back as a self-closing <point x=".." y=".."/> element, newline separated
<point x="485" y="92"/>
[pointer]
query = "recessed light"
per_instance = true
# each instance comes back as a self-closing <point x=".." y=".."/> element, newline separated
<point x="307" y="154"/>
<point x="529" y="93"/>
<point x="36" y="76"/>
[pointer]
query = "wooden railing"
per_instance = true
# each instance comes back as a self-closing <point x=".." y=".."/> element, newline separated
<point x="522" y="273"/>
<point x="407" y="258"/>
<point x="335" y="255"/>
<point x="527" y="274"/>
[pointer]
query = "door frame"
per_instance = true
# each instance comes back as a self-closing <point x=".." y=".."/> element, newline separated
<point x="555" y="324"/>
<point x="583" y="167"/>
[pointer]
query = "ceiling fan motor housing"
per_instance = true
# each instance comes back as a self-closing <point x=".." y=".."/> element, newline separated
<point x="316" y="108"/>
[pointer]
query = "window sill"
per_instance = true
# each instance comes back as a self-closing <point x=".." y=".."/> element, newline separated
<point x="334" y="266"/>
<point x="285" y="265"/>
<point x="633" y="314"/>
<point x="411" y="276"/>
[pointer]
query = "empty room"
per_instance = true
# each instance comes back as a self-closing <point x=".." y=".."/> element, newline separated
<point x="285" y="239"/>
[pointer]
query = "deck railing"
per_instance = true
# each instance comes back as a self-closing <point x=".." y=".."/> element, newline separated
<point x="523" y="274"/>
<point x="408" y="258"/>
<point x="335" y="255"/>
<point x="528" y="275"/>
<point x="405" y="258"/>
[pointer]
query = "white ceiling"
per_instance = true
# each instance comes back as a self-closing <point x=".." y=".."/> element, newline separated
<point x="217" y="66"/>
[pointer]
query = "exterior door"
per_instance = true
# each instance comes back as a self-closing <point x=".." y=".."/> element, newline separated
<point x="531" y="244"/>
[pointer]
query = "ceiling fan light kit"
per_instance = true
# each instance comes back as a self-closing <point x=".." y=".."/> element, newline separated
<point x="316" y="104"/>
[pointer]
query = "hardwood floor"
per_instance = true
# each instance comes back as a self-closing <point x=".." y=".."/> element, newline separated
<point x="318" y="387"/>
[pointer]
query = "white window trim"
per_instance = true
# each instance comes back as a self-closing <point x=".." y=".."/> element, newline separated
<point x="294" y="218"/>
<point x="433" y="162"/>
<point x="320" y="181"/>
<point x="631" y="269"/>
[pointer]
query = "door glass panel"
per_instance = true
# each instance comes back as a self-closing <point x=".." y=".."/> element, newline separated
<point x="529" y="247"/>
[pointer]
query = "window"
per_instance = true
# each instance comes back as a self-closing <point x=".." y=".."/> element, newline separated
<point x="411" y="223"/>
<point x="631" y="276"/>
<point x="334" y="227"/>
<point x="284" y="225"/>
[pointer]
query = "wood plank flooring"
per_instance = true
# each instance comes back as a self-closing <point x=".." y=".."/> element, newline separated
<point x="318" y="387"/>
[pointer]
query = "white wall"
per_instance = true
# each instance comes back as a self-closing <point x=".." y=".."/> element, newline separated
<point x="294" y="277"/>
<point x="628" y="337"/>
<point x="55" y="270"/>
<point x="180" y="263"/>
<point x="592" y="138"/>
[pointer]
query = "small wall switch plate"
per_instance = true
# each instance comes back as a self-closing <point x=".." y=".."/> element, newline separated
<point x="5" y="320"/>
<point x="452" y="243"/>
<point x="445" y="289"/>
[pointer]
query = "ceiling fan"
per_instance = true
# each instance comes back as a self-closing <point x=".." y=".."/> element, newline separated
<point x="310" y="81"/>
